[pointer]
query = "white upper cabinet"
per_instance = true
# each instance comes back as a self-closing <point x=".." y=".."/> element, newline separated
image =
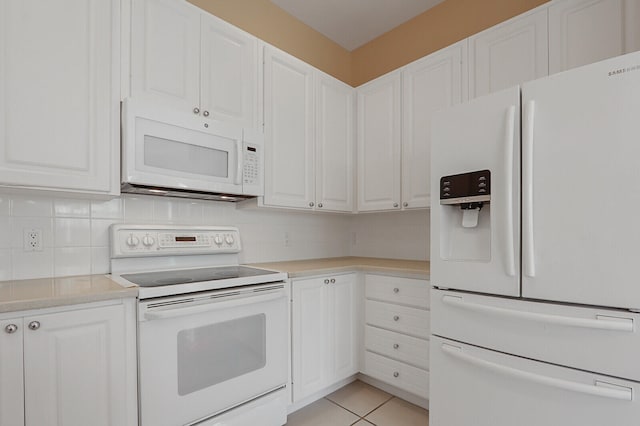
<point x="192" y="60"/>
<point x="586" y="31"/>
<point x="309" y="134"/>
<point x="509" y="53"/>
<point x="288" y="129"/>
<point x="165" y="52"/>
<point x="429" y="84"/>
<point x="59" y="95"/>
<point x="378" y="143"/>
<point x="334" y="144"/>
<point x="229" y="73"/>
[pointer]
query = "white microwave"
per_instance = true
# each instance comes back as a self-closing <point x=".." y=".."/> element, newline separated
<point x="167" y="152"/>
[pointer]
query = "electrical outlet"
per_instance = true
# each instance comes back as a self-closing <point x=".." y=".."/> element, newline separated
<point x="286" y="239"/>
<point x="32" y="239"/>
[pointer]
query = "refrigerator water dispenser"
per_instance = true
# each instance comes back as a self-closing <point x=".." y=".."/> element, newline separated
<point x="465" y="219"/>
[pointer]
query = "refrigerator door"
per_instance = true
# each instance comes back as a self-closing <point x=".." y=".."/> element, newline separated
<point x="477" y="250"/>
<point x="580" y="185"/>
<point x="480" y="387"/>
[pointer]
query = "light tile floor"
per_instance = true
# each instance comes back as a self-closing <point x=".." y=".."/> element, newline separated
<point x="359" y="404"/>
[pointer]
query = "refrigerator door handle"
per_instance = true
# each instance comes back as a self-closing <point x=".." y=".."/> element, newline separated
<point x="509" y="247"/>
<point x="600" y="389"/>
<point x="601" y="322"/>
<point x="528" y="253"/>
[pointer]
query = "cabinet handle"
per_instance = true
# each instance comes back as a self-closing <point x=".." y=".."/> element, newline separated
<point x="196" y="110"/>
<point x="333" y="280"/>
<point x="320" y="205"/>
<point x="405" y="204"/>
<point x="11" y="328"/>
<point x="396" y="374"/>
<point x="206" y="113"/>
<point x="311" y="204"/>
<point x="396" y="346"/>
<point x="34" y="325"/>
<point x="396" y="290"/>
<point x="395" y="205"/>
<point x="396" y="318"/>
<point x="326" y="281"/>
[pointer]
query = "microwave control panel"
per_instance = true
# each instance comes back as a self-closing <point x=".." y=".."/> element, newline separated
<point x="251" y="165"/>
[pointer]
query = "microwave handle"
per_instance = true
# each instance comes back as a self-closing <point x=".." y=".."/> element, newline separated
<point x="238" y="179"/>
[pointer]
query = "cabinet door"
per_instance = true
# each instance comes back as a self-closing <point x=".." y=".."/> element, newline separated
<point x="74" y="364"/>
<point x="310" y="336"/>
<point x="11" y="367"/>
<point x="165" y="52"/>
<point x="509" y="54"/>
<point x="586" y="31"/>
<point x="342" y="314"/>
<point x="432" y="83"/>
<point x="288" y="129"/>
<point x="229" y="73"/>
<point x="379" y="143"/>
<point x="59" y="94"/>
<point x="334" y="144"/>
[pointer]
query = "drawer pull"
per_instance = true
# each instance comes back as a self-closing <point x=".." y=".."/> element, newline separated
<point x="333" y="280"/>
<point x="396" y="374"/>
<point x="396" y="290"/>
<point x="601" y="322"/>
<point x="599" y="388"/>
<point x="396" y="346"/>
<point x="326" y="281"/>
<point x="396" y="318"/>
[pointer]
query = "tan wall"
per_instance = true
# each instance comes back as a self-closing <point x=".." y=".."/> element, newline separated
<point x="447" y="23"/>
<point x="275" y="26"/>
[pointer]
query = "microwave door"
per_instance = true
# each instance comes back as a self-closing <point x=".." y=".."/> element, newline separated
<point x="174" y="156"/>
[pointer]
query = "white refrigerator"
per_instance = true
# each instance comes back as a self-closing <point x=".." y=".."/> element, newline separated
<point x="535" y="244"/>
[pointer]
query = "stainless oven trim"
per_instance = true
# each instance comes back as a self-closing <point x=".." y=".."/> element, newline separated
<point x="173" y="307"/>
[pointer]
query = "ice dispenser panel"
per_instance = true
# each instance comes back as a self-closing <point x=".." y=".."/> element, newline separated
<point x="465" y="222"/>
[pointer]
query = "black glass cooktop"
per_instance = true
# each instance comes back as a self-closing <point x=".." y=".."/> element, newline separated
<point x="185" y="276"/>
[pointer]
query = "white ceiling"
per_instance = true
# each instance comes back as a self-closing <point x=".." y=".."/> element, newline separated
<point x="352" y="23"/>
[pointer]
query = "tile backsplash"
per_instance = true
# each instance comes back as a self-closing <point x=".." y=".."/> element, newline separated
<point x="75" y="238"/>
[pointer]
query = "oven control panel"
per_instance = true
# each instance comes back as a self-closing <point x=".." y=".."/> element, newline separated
<point x="162" y="240"/>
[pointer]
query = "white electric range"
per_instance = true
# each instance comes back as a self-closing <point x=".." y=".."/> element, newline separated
<point x="213" y="334"/>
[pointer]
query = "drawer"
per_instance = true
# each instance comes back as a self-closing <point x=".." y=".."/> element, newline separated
<point x="601" y="340"/>
<point x="412" y="321"/>
<point x="405" y="291"/>
<point x="467" y="380"/>
<point x="398" y="374"/>
<point x="398" y="346"/>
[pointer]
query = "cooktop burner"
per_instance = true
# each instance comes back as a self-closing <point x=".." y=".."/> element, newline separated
<point x="184" y="276"/>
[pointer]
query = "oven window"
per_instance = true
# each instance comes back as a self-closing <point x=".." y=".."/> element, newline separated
<point x="183" y="157"/>
<point x="218" y="352"/>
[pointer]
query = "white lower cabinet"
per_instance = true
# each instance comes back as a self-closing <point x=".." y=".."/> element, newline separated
<point x="325" y="332"/>
<point x="397" y="332"/>
<point x="72" y="367"/>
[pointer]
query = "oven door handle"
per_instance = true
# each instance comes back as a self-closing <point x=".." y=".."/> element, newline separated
<point x="213" y="305"/>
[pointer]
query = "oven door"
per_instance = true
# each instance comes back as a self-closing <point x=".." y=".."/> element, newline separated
<point x="165" y="148"/>
<point x="203" y="354"/>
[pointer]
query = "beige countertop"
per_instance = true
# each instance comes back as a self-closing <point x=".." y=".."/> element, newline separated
<point x="22" y="295"/>
<point x="303" y="268"/>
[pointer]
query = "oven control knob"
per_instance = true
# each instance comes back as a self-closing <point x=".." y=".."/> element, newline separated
<point x="148" y="241"/>
<point x="132" y="241"/>
<point x="218" y="240"/>
<point x="229" y="239"/>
